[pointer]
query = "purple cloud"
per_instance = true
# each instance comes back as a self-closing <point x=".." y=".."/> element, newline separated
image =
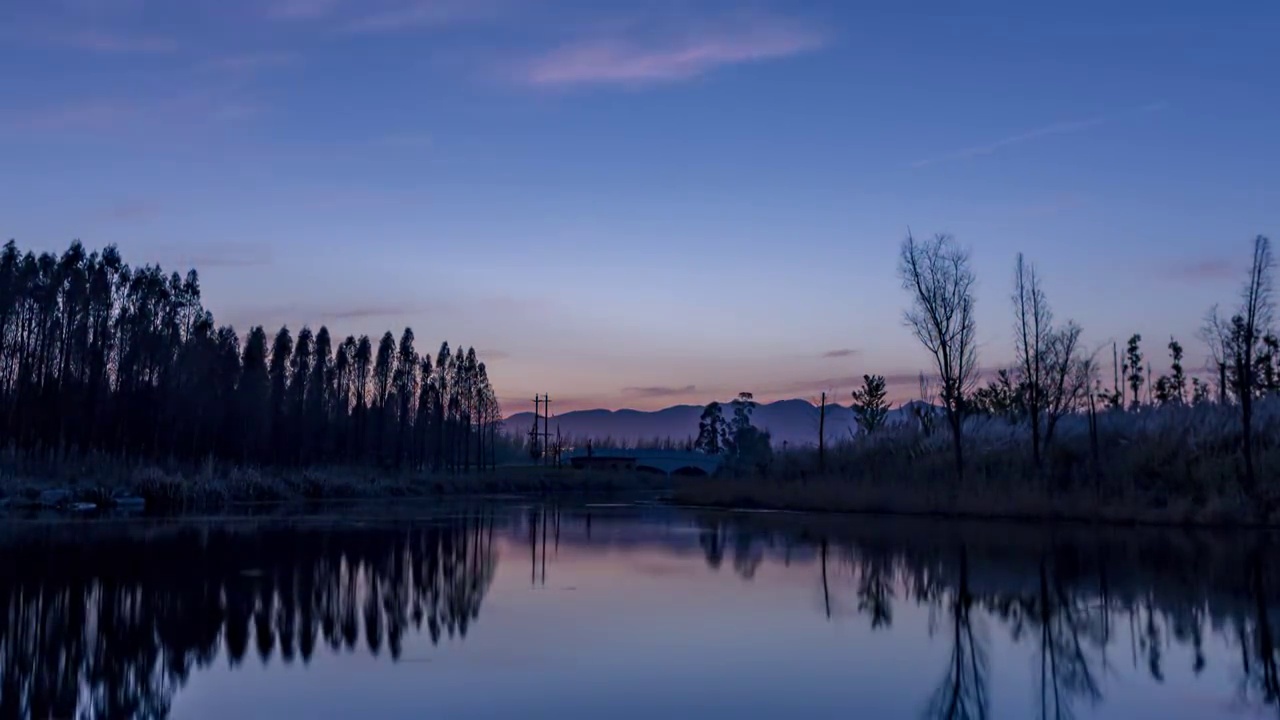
<point x="1203" y="270"/>
<point x="624" y="61"/>
<point x="901" y="385"/>
<point x="841" y="353"/>
<point x="301" y="9"/>
<point x="252" y="62"/>
<point x="92" y="115"/>
<point x="658" y="391"/>
<point x="106" y="42"/>
<point x="231" y="254"/>
<point x="130" y="211"/>
<point x="410" y="14"/>
<point x="405" y="140"/>
<point x="185" y="110"/>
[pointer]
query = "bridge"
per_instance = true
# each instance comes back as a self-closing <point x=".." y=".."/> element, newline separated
<point x="665" y="462"/>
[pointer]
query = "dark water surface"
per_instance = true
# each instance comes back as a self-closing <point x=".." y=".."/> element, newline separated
<point x="533" y="611"/>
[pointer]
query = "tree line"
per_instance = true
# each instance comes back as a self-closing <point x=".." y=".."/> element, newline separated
<point x="100" y="358"/>
<point x="1052" y="375"/>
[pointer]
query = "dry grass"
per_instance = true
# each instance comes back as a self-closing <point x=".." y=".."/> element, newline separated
<point x="210" y="486"/>
<point x="1175" y="465"/>
<point x="833" y="494"/>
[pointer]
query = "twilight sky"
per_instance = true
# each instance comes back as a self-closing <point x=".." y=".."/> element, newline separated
<point x="634" y="204"/>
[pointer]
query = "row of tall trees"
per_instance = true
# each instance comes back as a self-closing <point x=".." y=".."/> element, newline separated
<point x="98" y="357"/>
<point x="1053" y="377"/>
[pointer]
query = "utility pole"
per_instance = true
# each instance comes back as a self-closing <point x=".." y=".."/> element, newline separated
<point x="822" y="435"/>
<point x="546" y="424"/>
<point x="533" y="436"/>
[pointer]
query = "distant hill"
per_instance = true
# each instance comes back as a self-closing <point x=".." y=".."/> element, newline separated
<point x="792" y="421"/>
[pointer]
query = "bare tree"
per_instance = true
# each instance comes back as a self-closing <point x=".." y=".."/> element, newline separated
<point x="1087" y="373"/>
<point x="936" y="273"/>
<point x="1052" y="379"/>
<point x="1067" y="376"/>
<point x="1236" y="344"/>
<point x="1032" y="329"/>
<point x="1216" y="334"/>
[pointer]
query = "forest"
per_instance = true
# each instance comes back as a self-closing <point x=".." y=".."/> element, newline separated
<point x="106" y="363"/>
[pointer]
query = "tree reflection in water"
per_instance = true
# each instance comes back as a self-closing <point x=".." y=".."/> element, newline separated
<point x="1061" y="591"/>
<point x="114" y="628"/>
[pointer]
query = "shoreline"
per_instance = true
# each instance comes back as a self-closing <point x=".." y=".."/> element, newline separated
<point x="838" y="498"/>
<point x="153" y="490"/>
<point x="156" y="492"/>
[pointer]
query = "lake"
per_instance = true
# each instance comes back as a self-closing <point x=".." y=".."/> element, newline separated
<point x="525" y="610"/>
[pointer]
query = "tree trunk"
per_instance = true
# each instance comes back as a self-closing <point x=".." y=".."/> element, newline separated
<point x="1246" y="417"/>
<point x="956" y="428"/>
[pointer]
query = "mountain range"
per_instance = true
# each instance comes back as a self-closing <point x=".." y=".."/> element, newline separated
<point x="794" y="422"/>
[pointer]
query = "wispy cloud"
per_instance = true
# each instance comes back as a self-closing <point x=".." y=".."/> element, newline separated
<point x="108" y="42"/>
<point x="1202" y="270"/>
<point x="1058" y="128"/>
<point x="185" y="110"/>
<point x="841" y="353"/>
<point x="900" y="384"/>
<point x="371" y="310"/>
<point x="251" y="62"/>
<point x="411" y="14"/>
<point x="493" y="355"/>
<point x="687" y="55"/>
<point x="202" y="256"/>
<point x="129" y="211"/>
<point x="1065" y="127"/>
<point x="300" y="312"/>
<point x="301" y="9"/>
<point x="658" y="391"/>
<point x="396" y="310"/>
<point x="404" y="140"/>
<point x="810" y="386"/>
<point x="89" y="115"/>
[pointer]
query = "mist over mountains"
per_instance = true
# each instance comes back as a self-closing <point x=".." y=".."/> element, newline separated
<point x="794" y="422"/>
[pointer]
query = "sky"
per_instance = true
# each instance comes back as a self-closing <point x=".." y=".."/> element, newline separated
<point x="644" y="203"/>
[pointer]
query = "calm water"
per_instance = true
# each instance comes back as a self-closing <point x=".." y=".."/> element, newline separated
<point x="537" y="611"/>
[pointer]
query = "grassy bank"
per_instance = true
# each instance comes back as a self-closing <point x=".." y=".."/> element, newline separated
<point x="210" y="487"/>
<point x="1170" y="465"/>
<point x="840" y="495"/>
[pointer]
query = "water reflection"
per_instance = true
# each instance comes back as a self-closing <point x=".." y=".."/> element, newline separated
<point x="111" y="629"/>
<point x="115" y="620"/>
<point x="1060" y="591"/>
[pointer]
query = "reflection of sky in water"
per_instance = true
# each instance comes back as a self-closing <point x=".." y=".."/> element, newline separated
<point x="633" y="614"/>
<point x="649" y="629"/>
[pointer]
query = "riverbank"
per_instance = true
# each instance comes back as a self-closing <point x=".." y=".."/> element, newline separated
<point x="175" y="490"/>
<point x="840" y="495"/>
<point x="1170" y="465"/>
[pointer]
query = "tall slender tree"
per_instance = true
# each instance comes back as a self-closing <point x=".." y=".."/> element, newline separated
<point x="936" y="274"/>
<point x="1133" y="369"/>
<point x="1033" y="328"/>
<point x="255" y="397"/>
<point x="1240" y="340"/>
<point x="281" y="357"/>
